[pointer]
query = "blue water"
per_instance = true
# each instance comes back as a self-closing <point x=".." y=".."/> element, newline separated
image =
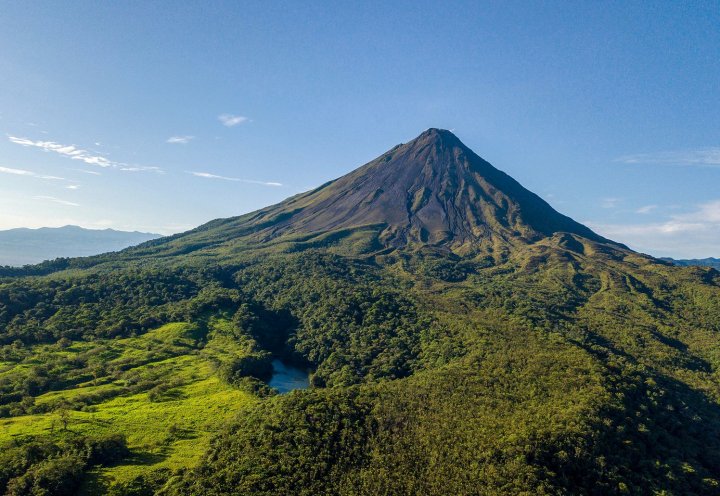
<point x="287" y="377"/>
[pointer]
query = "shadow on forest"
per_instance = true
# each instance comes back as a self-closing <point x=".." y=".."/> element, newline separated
<point x="143" y="458"/>
<point x="99" y="481"/>
<point x="659" y="433"/>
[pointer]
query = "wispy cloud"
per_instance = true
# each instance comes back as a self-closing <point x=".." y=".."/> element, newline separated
<point x="646" y="209"/>
<point x="86" y="171"/>
<point x="70" y="151"/>
<point x="208" y="175"/>
<point x="56" y="200"/>
<point x="704" y="157"/>
<point x="75" y="153"/>
<point x="180" y="140"/>
<point x="138" y="168"/>
<point x="231" y="120"/>
<point x="27" y="173"/>
<point x="73" y="186"/>
<point x="694" y="234"/>
<point x="610" y="202"/>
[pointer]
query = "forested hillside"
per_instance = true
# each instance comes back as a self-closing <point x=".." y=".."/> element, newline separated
<point x="465" y="339"/>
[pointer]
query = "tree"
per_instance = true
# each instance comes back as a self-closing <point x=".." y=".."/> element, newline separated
<point x="64" y="416"/>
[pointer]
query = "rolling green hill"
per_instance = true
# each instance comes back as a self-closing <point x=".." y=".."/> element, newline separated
<point x="463" y="336"/>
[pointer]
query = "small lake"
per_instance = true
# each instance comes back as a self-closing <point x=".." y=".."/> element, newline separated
<point x="287" y="377"/>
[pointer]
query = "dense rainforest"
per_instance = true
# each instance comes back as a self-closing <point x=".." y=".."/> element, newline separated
<point x="462" y="338"/>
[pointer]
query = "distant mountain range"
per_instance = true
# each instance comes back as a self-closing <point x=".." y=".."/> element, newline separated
<point x="29" y="246"/>
<point x="702" y="262"/>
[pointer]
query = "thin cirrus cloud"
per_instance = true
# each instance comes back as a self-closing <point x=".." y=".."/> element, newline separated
<point x="27" y="173"/>
<point x="75" y="153"/>
<point x="137" y="168"/>
<point x="70" y="151"/>
<point x="231" y="120"/>
<point x="56" y="200"/>
<point x="646" y="209"/>
<point x="207" y="175"/>
<point x="86" y="171"/>
<point x="179" y="140"/>
<point x="610" y="202"/>
<point x="704" y="157"/>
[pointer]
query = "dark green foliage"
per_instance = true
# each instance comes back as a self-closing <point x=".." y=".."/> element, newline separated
<point x="349" y="324"/>
<point x="105" y="450"/>
<point x="55" y="466"/>
<point x="300" y="444"/>
<point x="256" y="365"/>
<point x="93" y="306"/>
<point x="142" y="485"/>
<point x="448" y="268"/>
<point x="460" y="376"/>
<point x="59" y="476"/>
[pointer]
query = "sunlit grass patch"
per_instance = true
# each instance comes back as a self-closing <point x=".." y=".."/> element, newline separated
<point x="159" y="390"/>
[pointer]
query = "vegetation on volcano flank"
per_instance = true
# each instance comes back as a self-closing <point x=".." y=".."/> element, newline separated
<point x="463" y="338"/>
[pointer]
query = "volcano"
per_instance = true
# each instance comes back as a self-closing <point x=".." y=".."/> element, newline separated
<point x="430" y="192"/>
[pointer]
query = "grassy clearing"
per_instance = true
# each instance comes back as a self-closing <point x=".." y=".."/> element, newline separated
<point x="167" y="425"/>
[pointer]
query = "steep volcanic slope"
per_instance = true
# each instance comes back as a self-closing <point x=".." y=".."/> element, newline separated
<point x="432" y="191"/>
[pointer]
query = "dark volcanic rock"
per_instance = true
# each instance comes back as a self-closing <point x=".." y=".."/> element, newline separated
<point x="433" y="190"/>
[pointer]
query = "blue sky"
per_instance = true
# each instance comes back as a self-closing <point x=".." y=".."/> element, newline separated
<point x="159" y="116"/>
